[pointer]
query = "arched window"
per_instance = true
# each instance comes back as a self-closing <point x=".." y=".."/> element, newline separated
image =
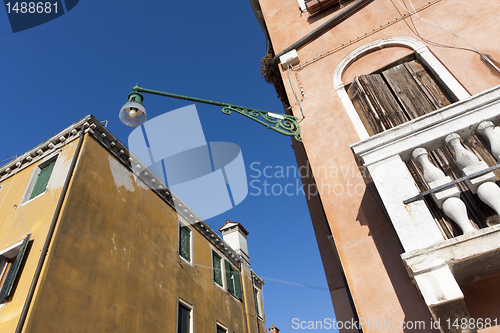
<point x="378" y="101"/>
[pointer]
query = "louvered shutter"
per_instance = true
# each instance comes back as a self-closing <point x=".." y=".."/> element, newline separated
<point x="237" y="284"/>
<point x="229" y="280"/>
<point x="42" y="180"/>
<point x="185" y="243"/>
<point x="13" y="270"/>
<point x="217" y="269"/>
<point x="256" y="299"/>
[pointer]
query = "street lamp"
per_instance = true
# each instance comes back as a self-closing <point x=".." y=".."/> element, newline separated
<point x="133" y="112"/>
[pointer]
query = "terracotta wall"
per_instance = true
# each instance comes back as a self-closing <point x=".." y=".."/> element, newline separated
<point x="366" y="243"/>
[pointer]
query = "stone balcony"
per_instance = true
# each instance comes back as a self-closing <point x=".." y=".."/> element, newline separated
<point x="438" y="265"/>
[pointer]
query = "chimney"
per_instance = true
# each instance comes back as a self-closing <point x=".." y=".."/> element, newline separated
<point x="274" y="329"/>
<point x="236" y="236"/>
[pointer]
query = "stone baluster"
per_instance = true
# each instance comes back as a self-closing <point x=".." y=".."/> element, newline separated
<point x="487" y="130"/>
<point x="484" y="185"/>
<point x="447" y="199"/>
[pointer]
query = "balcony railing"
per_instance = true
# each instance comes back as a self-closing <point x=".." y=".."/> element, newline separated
<point x="416" y="193"/>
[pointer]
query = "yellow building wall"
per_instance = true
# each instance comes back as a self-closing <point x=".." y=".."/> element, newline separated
<point x="113" y="265"/>
<point x="17" y="220"/>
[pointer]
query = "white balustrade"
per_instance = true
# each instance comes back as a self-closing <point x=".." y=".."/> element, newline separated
<point x="484" y="185"/>
<point x="487" y="130"/>
<point x="447" y="199"/>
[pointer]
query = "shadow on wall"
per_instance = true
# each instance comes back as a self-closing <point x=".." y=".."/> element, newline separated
<point x="389" y="248"/>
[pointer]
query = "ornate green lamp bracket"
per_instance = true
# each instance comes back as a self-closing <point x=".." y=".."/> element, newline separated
<point x="278" y="122"/>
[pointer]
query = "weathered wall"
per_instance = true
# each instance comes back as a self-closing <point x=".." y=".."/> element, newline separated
<point x="367" y="245"/>
<point x="35" y="216"/>
<point x="113" y="264"/>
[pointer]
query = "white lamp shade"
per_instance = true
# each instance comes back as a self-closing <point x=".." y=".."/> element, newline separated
<point x="133" y="114"/>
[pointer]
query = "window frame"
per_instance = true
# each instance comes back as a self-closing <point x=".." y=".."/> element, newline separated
<point x="182" y="224"/>
<point x="219" y="325"/>
<point x="34" y="178"/>
<point x="445" y="79"/>
<point x="230" y="276"/>
<point x="13" y="257"/>
<point x="222" y="285"/>
<point x="181" y="302"/>
<point x="258" y="301"/>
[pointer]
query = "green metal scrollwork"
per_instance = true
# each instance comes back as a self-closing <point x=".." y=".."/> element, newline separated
<point x="278" y="122"/>
<point x="287" y="126"/>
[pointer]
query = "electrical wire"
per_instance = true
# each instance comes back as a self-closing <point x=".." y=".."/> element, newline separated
<point x="5" y="196"/>
<point x="415" y="32"/>
<point x="295" y="94"/>
<point x="275" y="280"/>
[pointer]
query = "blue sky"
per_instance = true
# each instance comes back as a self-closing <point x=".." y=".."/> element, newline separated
<point x="87" y="60"/>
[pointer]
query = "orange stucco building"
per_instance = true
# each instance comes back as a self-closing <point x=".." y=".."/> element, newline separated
<point x="388" y="94"/>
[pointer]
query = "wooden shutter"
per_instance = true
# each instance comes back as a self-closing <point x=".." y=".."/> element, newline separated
<point x="184" y="320"/>
<point x="430" y="87"/>
<point x="185" y="243"/>
<point x="375" y="103"/>
<point x="42" y="180"/>
<point x="13" y="270"/>
<point x="217" y="268"/>
<point x="407" y="91"/>
<point x="256" y="299"/>
<point x="229" y="280"/>
<point x="395" y="96"/>
<point x="237" y="284"/>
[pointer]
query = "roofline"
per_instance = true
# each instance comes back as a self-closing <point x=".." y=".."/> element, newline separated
<point x="98" y="131"/>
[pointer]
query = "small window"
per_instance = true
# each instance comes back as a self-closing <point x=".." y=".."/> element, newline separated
<point x="10" y="262"/>
<point x="185" y="242"/>
<point x="40" y="179"/>
<point x="217" y="268"/>
<point x="233" y="280"/>
<point x="185" y="320"/>
<point x="256" y="295"/>
<point x="221" y="328"/>
<point x="316" y="6"/>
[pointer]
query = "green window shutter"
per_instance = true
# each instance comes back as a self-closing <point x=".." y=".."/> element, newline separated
<point x="184" y="320"/>
<point x="229" y="280"/>
<point x="42" y="180"/>
<point x="11" y="275"/>
<point x="185" y="243"/>
<point x="256" y="298"/>
<point x="237" y="284"/>
<point x="217" y="269"/>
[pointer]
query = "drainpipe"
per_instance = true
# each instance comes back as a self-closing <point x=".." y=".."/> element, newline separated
<point x="43" y="255"/>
